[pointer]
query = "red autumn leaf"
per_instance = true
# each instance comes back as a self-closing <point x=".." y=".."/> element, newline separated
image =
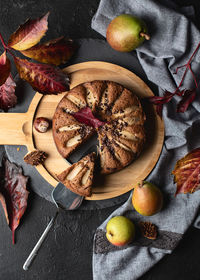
<point x="188" y="97"/>
<point x="187" y="172"/>
<point x="8" y="98"/>
<point x="29" y="33"/>
<point x="44" y="78"/>
<point x="14" y="192"/>
<point x="86" y="116"/>
<point x="55" y="52"/>
<point x="4" y="68"/>
<point x="161" y="99"/>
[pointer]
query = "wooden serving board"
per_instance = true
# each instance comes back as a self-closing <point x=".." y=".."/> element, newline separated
<point x="17" y="129"/>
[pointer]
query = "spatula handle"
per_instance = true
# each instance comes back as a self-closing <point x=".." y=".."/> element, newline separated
<point x="39" y="243"/>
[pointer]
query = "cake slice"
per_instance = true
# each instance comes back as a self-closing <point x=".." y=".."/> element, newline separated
<point x="109" y="162"/>
<point x="130" y="138"/>
<point x="128" y="108"/>
<point x="68" y="133"/>
<point x="79" y="176"/>
<point x="94" y="92"/>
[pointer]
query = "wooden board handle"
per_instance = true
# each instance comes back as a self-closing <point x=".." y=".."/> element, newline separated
<point x="15" y="128"/>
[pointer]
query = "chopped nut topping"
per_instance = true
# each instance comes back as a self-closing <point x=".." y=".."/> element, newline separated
<point x="149" y="230"/>
<point x="35" y="157"/>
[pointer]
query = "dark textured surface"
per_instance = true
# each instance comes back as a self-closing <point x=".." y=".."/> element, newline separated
<point x="67" y="252"/>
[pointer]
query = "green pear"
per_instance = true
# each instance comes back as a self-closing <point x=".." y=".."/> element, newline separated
<point x="147" y="199"/>
<point x="126" y="32"/>
<point x="120" y="231"/>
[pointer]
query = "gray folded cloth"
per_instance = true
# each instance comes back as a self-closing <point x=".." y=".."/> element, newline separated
<point x="173" y="39"/>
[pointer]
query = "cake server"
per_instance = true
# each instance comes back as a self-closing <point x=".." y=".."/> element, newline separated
<point x="62" y="198"/>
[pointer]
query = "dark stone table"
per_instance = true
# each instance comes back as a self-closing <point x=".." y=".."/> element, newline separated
<point x="67" y="251"/>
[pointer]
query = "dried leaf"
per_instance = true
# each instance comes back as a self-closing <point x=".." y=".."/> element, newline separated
<point x="55" y="52"/>
<point x="8" y="98"/>
<point x="161" y="99"/>
<point x="15" y="193"/>
<point x="86" y="116"/>
<point x="4" y="68"/>
<point x="187" y="172"/>
<point x="46" y="79"/>
<point x="188" y="97"/>
<point x="29" y="33"/>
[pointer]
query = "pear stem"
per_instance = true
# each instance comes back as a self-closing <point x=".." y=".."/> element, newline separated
<point x="146" y="36"/>
<point x="140" y="184"/>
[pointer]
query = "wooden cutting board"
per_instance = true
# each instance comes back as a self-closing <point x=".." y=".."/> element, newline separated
<point x="17" y="129"/>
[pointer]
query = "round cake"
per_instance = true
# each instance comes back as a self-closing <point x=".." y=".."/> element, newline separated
<point x="121" y="137"/>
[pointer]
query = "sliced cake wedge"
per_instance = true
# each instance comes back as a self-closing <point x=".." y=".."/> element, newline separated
<point x="79" y="176"/>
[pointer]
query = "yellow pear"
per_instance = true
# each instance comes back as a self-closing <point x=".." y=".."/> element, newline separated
<point x="126" y="32"/>
<point x="147" y="199"/>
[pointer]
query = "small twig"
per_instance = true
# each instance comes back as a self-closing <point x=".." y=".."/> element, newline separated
<point x="3" y="42"/>
<point x="159" y="101"/>
<point x="195" y="51"/>
<point x="146" y="36"/>
<point x="195" y="81"/>
<point x="7" y="48"/>
<point x="181" y="82"/>
<point x="188" y="66"/>
<point x="177" y="68"/>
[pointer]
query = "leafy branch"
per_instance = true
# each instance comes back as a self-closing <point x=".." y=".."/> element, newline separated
<point x="187" y="95"/>
<point x="46" y="78"/>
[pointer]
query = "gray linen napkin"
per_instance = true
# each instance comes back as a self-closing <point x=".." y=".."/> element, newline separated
<point x="173" y="39"/>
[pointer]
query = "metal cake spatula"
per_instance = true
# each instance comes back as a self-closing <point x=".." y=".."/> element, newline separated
<point x="62" y="198"/>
